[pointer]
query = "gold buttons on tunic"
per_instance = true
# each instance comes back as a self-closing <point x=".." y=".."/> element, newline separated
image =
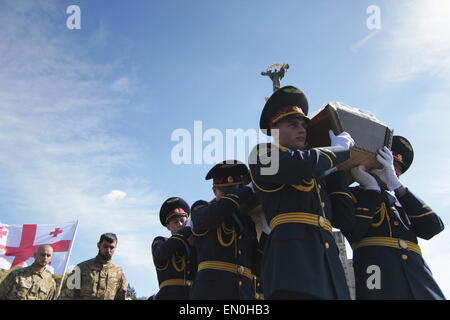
<point x="403" y="244"/>
<point x="239" y="251"/>
<point x="404" y="257"/>
<point x="322" y="204"/>
<point x="240" y="283"/>
<point x="240" y="237"/>
<point x="241" y="270"/>
<point x="322" y="221"/>
<point x="396" y="223"/>
<point x="327" y="245"/>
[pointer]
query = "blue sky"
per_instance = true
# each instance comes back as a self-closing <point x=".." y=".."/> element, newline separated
<point x="86" y="112"/>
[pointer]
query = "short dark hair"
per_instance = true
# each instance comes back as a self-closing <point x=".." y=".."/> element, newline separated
<point x="108" y="237"/>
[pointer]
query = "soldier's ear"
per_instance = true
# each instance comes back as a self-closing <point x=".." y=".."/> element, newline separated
<point x="98" y="245"/>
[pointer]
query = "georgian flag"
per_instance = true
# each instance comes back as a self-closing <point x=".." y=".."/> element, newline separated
<point x="19" y="243"/>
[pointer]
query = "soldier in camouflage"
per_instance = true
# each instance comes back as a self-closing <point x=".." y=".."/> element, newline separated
<point x="99" y="278"/>
<point x="33" y="282"/>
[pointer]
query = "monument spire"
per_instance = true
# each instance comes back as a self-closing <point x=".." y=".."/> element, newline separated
<point x="276" y="74"/>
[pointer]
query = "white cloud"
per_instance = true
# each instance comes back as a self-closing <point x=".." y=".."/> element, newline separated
<point x="427" y="129"/>
<point x="20" y="6"/>
<point x="417" y="41"/>
<point x="115" y="195"/>
<point x="122" y="85"/>
<point x="416" y="47"/>
<point x="59" y="156"/>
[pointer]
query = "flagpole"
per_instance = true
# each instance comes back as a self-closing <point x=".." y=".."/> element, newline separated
<point x="58" y="291"/>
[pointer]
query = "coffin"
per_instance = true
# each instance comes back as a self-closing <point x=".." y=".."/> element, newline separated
<point x="369" y="133"/>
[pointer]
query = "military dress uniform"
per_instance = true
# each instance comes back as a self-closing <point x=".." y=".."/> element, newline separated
<point x="385" y="235"/>
<point x="100" y="280"/>
<point x="174" y="258"/>
<point x="259" y="293"/>
<point x="301" y="258"/>
<point x="28" y="284"/>
<point x="225" y="238"/>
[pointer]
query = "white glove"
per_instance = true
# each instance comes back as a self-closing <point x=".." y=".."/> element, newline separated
<point x="188" y="222"/>
<point x="387" y="174"/>
<point x="364" y="178"/>
<point x="343" y="139"/>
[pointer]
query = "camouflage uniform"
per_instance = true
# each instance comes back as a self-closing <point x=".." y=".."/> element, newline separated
<point x="100" y="280"/>
<point x="28" y="284"/>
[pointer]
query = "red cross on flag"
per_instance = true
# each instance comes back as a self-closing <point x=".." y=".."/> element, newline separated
<point x="19" y="243"/>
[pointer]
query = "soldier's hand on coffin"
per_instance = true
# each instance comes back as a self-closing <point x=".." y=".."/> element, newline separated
<point x="387" y="174"/>
<point x="364" y="178"/>
<point x="343" y="139"/>
<point x="243" y="194"/>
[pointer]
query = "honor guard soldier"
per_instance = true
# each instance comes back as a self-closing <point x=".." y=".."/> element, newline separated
<point x="174" y="258"/>
<point x="301" y="259"/>
<point x="225" y="237"/>
<point x="386" y="231"/>
<point x="33" y="282"/>
<point x="100" y="278"/>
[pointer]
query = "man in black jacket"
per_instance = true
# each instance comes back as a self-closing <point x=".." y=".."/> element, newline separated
<point x="387" y="260"/>
<point x="225" y="237"/>
<point x="174" y="258"/>
<point x="301" y="259"/>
